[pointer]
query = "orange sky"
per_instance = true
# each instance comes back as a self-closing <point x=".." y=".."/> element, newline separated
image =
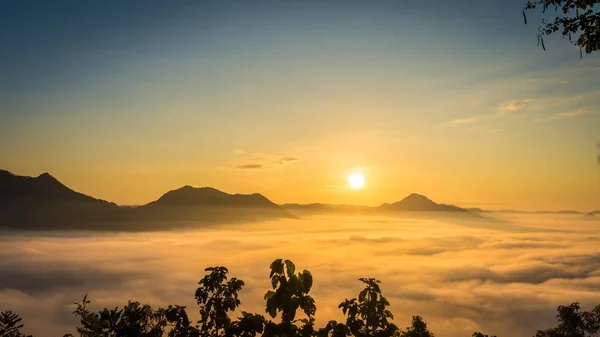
<point x="288" y="99"/>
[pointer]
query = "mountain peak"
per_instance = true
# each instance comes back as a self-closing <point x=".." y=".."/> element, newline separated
<point x="416" y="196"/>
<point x="46" y="176"/>
<point x="420" y="203"/>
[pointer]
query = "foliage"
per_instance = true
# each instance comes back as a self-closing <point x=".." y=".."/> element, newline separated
<point x="290" y="293"/>
<point x="418" y="329"/>
<point x="579" y="19"/>
<point x="10" y="325"/>
<point x="572" y="323"/>
<point x="133" y="320"/>
<point x="216" y="297"/>
<point x="479" y="334"/>
<point x="367" y="315"/>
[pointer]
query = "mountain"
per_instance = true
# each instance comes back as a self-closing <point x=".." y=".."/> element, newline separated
<point x="210" y="205"/>
<point x="477" y="210"/>
<point x="45" y="203"/>
<point x="420" y="203"/>
<point x="558" y="212"/>
<point x="308" y="208"/>
<point x="42" y="187"/>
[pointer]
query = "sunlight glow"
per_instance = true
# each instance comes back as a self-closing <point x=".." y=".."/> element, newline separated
<point x="356" y="180"/>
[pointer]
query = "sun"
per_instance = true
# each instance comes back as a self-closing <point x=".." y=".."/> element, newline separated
<point x="356" y="180"/>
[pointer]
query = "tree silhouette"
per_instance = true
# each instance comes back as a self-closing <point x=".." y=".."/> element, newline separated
<point x="216" y="297"/>
<point x="418" y="328"/>
<point x="290" y="294"/>
<point x="579" y="19"/>
<point x="366" y="315"/>
<point x="10" y="325"/>
<point x="572" y="323"/>
<point x="134" y="319"/>
<point x="479" y="334"/>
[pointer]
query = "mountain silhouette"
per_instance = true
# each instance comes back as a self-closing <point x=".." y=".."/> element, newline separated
<point x="45" y="203"/>
<point x="41" y="188"/>
<point x="308" y="208"/>
<point x="208" y="196"/>
<point x="420" y="203"/>
<point x="207" y="204"/>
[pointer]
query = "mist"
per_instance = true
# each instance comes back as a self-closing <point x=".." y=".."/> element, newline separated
<point x="460" y="278"/>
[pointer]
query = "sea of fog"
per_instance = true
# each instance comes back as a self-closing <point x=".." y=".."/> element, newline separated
<point x="460" y="279"/>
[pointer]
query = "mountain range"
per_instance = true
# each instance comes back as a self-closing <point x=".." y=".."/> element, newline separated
<point x="43" y="202"/>
<point x="412" y="203"/>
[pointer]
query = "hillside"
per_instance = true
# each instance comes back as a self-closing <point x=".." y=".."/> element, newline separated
<point x="209" y="204"/>
<point x="44" y="203"/>
<point x="419" y="203"/>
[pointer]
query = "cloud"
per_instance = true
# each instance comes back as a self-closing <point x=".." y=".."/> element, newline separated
<point x="459" y="279"/>
<point x="464" y="120"/>
<point x="572" y="113"/>
<point x="250" y="166"/>
<point x="285" y="159"/>
<point x="515" y="105"/>
<point x="263" y="161"/>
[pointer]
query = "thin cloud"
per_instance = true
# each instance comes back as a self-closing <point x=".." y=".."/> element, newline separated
<point x="285" y="159"/>
<point x="250" y="166"/>
<point x="515" y="105"/>
<point x="572" y="113"/>
<point x="464" y="120"/>
<point x="568" y="114"/>
<point x="262" y="161"/>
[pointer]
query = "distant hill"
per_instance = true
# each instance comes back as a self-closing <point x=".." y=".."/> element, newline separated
<point x="210" y="204"/>
<point x="420" y="203"/>
<point x="477" y="210"/>
<point x="315" y="207"/>
<point x="412" y="203"/>
<point x="512" y="211"/>
<point x="45" y="203"/>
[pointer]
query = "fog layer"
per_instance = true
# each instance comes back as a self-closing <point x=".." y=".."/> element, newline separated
<point x="460" y="279"/>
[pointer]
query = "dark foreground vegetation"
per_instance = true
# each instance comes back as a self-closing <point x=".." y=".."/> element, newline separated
<point x="366" y="315"/>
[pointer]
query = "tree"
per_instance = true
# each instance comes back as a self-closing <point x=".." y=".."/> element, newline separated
<point x="216" y="297"/>
<point x="367" y="315"/>
<point x="10" y="325"/>
<point x="572" y="323"/>
<point x="579" y="19"/>
<point x="479" y="334"/>
<point x="134" y="319"/>
<point x="418" y="329"/>
<point x="290" y="293"/>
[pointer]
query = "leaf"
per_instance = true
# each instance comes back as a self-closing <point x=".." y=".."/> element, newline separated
<point x="543" y="47"/>
<point x="269" y="294"/>
<point x="291" y="268"/>
<point x="362" y="295"/>
<point x="307" y="281"/>
<point x="274" y="281"/>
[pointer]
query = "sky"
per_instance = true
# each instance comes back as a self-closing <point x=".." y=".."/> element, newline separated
<point x="127" y="100"/>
